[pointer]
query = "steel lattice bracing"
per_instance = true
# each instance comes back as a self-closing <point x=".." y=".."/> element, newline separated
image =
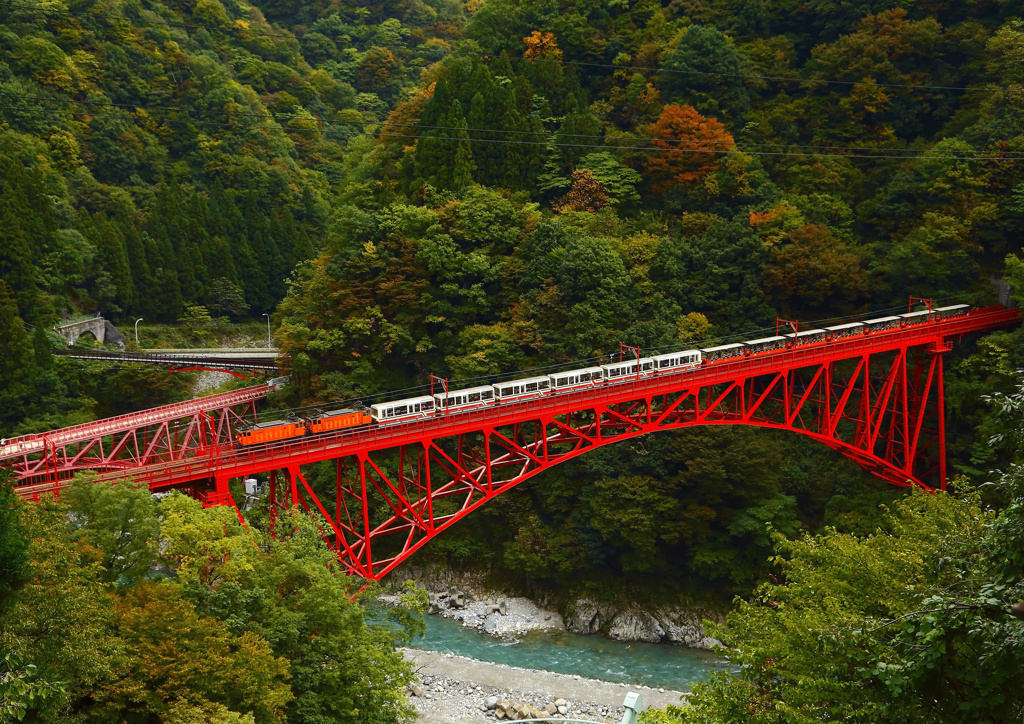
<point x="875" y="398"/>
<point x="134" y="441"/>
<point x="882" y="411"/>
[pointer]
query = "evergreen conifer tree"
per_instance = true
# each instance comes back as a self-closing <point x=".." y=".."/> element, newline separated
<point x="486" y="171"/>
<point x="42" y="349"/>
<point x="17" y="358"/>
<point x="14" y="560"/>
<point x="138" y="265"/>
<point x="462" y="165"/>
<point x="582" y="128"/>
<point x="523" y="92"/>
<point x="17" y="266"/>
<point x="438" y="105"/>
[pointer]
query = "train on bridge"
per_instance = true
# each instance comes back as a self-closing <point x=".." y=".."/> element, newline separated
<point x="448" y="401"/>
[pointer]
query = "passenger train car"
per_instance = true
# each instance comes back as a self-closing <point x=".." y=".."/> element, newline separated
<point x="456" y="401"/>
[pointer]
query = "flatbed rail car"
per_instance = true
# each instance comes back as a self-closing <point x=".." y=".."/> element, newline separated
<point x="457" y="401"/>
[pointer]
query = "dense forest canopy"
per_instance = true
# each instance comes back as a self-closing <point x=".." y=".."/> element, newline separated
<point x="431" y="186"/>
<point x="459" y="188"/>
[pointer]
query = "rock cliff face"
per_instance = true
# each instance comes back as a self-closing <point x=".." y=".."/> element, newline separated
<point x="668" y="624"/>
<point x="587" y="617"/>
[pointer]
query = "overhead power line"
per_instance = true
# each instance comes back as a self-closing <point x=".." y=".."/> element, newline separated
<point x="548" y="143"/>
<point x="388" y="124"/>
<point x="609" y="144"/>
<point x="779" y="78"/>
<point x="578" y="63"/>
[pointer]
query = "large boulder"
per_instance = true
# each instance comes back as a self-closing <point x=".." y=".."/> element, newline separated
<point x="587" y="617"/>
<point x="686" y="626"/>
<point x="636" y="626"/>
<point x="113" y="336"/>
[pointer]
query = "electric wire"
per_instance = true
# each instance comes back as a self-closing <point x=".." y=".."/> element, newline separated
<point x="549" y="143"/>
<point x="750" y="75"/>
<point x="425" y="389"/>
<point x="471" y="129"/>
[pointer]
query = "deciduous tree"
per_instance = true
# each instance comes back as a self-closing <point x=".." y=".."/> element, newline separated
<point x="693" y="146"/>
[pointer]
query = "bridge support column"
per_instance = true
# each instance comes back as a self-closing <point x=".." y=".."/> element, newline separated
<point x="361" y="457"/>
<point x="293" y="485"/>
<point x="940" y="410"/>
<point x="272" y="493"/>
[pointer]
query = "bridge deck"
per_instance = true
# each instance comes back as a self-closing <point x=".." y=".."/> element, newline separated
<point x="233" y="461"/>
<point x="28" y="444"/>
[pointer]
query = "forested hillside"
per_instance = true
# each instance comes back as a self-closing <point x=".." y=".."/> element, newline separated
<point x="471" y="188"/>
<point x="575" y="175"/>
<point x="149" y="151"/>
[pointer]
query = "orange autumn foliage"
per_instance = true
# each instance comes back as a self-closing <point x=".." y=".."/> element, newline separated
<point x="541" y="45"/>
<point x="586" y="194"/>
<point x="693" y="144"/>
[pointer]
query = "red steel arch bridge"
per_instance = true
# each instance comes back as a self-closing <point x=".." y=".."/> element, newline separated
<point x="876" y="398"/>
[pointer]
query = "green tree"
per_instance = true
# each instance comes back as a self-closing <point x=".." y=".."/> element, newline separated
<point x="618" y="181"/>
<point x="22" y="691"/>
<point x="288" y="592"/>
<point x="462" y="165"/>
<point x="14" y="560"/>
<point x="226" y="296"/>
<point x="18" y="359"/>
<point x="119" y="521"/>
<point x="703" y="70"/>
<point x="888" y="626"/>
<point x="196" y="318"/>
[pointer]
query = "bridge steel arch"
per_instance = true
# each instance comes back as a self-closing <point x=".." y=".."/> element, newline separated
<point x="875" y="398"/>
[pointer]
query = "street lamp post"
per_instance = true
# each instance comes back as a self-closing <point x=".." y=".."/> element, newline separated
<point x="137" y="329"/>
<point x="268" y="329"/>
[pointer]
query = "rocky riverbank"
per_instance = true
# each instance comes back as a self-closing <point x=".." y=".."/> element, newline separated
<point x="458" y="690"/>
<point x="666" y="624"/>
<point x="466" y="598"/>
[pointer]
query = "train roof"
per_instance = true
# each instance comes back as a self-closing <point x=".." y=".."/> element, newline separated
<point x="805" y="333"/>
<point x="765" y="340"/>
<point x="521" y="381"/>
<point x="849" y="325"/>
<point x="576" y="371"/>
<point x="335" y="413"/>
<point x="269" y="424"/>
<point x="659" y="357"/>
<point x="953" y="306"/>
<point x="880" y="320"/>
<point x="915" y="314"/>
<point x="406" y="401"/>
<point x="463" y="391"/>
<point x="625" y="362"/>
<point x="721" y="347"/>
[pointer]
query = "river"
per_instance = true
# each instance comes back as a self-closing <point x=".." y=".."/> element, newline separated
<point x="593" y="657"/>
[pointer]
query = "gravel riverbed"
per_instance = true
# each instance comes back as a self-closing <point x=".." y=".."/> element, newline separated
<point x="454" y="689"/>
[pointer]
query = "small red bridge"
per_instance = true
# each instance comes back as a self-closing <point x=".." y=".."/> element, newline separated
<point x="876" y="398"/>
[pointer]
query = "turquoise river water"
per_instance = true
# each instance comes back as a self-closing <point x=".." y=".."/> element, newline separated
<point x="593" y="657"/>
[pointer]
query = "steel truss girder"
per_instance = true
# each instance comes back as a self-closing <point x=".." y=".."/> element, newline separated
<point x="868" y="409"/>
<point x="876" y="398"/>
<point x="172" y="433"/>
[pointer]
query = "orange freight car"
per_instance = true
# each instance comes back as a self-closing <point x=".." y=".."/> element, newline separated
<point x="270" y="431"/>
<point x="338" y="419"/>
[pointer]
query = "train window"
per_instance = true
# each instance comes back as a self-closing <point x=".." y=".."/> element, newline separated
<point x="400" y="410"/>
<point x="475" y="397"/>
